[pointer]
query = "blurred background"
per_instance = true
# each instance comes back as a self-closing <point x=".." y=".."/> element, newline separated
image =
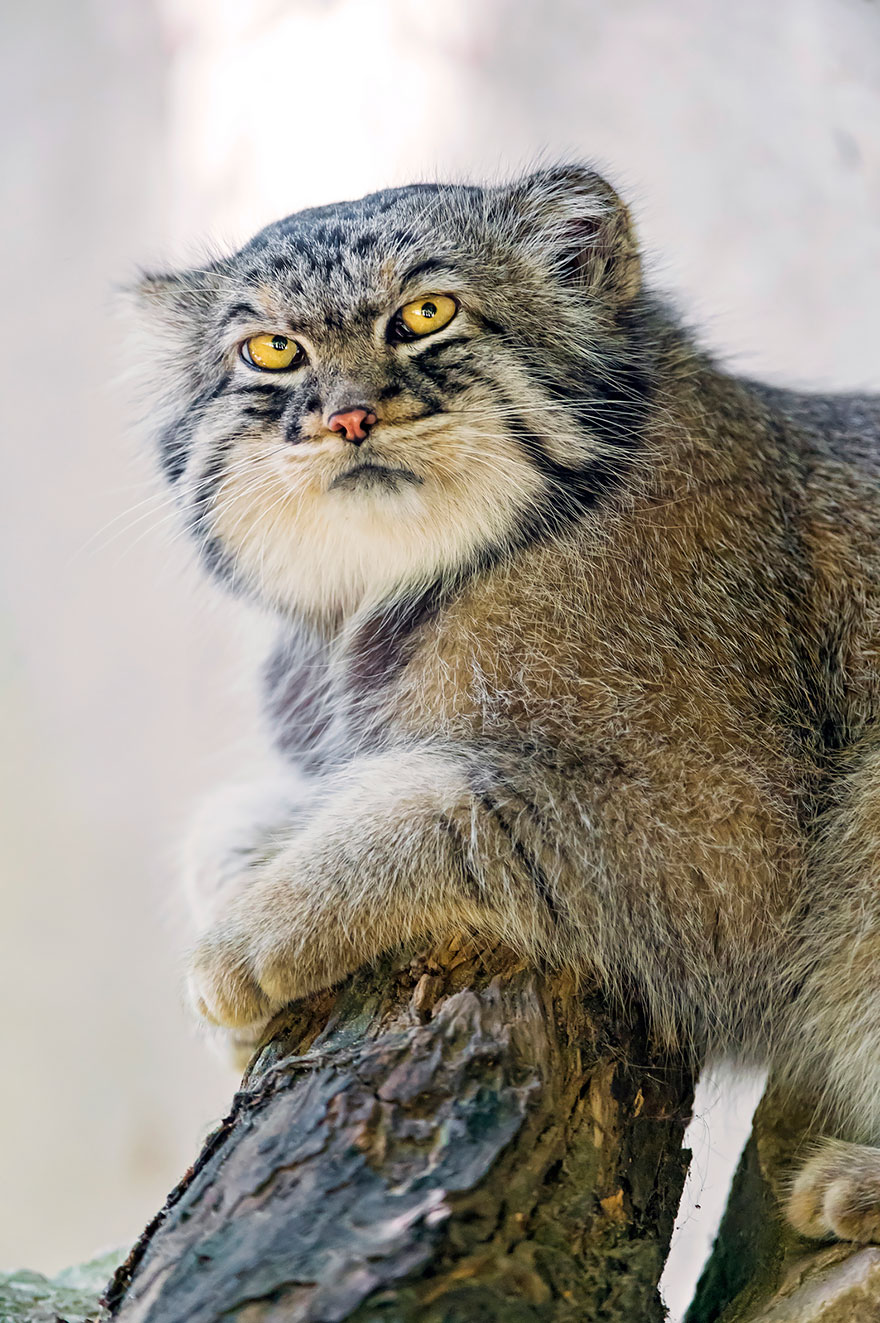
<point x="748" y="139"/>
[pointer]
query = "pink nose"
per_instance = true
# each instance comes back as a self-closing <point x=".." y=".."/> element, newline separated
<point x="353" y="422"/>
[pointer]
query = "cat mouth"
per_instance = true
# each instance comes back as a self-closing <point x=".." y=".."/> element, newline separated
<point x="381" y="476"/>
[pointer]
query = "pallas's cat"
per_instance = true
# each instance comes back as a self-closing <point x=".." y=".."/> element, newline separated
<point x="579" y="635"/>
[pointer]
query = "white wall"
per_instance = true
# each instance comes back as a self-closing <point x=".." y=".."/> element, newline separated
<point x="747" y="136"/>
<point x="113" y="681"/>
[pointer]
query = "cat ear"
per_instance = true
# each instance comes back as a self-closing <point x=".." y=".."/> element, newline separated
<point x="587" y="227"/>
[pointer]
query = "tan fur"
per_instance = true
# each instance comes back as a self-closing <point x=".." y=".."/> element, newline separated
<point x="835" y="1194"/>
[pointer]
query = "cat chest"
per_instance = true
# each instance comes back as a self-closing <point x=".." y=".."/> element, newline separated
<point x="448" y="673"/>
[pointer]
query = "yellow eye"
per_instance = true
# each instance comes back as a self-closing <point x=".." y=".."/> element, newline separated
<point x="272" y="353"/>
<point x="430" y="313"/>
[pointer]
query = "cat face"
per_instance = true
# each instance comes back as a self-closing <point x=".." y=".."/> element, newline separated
<point x="371" y="396"/>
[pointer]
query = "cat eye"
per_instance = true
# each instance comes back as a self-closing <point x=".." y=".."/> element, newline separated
<point x="424" y="316"/>
<point x="272" y="353"/>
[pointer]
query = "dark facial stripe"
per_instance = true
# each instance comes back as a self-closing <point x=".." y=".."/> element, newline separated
<point x="174" y="442"/>
<point x="416" y="383"/>
<point x="292" y="416"/>
<point x="424" y="268"/>
<point x="448" y="364"/>
<point x="488" y="324"/>
<point x="440" y="347"/>
<point x="614" y="410"/>
<point x="216" y="558"/>
<point x="240" y="312"/>
<point x="257" y="388"/>
<point x="174" y="447"/>
<point x="267" y="409"/>
<point x="571" y="492"/>
<point x="447" y="376"/>
<point x="613" y="407"/>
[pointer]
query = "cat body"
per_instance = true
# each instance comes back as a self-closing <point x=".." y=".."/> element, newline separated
<point x="578" y="633"/>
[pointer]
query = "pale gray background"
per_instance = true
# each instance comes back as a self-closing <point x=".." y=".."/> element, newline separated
<point x="748" y="137"/>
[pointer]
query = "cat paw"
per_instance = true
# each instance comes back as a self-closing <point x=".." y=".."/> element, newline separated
<point x="222" y="983"/>
<point x="837" y="1193"/>
<point x="275" y="943"/>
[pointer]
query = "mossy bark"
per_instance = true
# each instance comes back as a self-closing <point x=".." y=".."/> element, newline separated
<point x="450" y="1139"/>
<point x="70" y="1296"/>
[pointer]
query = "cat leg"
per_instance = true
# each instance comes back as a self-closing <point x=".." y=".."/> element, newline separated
<point x="835" y="1018"/>
<point x="836" y="1190"/>
<point x="400" y="848"/>
<point x="235" y="832"/>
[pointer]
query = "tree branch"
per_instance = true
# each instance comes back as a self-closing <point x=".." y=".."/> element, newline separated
<point x="454" y="1138"/>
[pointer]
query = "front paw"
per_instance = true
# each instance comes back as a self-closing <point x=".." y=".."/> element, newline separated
<point x="274" y="944"/>
<point x="223" y="985"/>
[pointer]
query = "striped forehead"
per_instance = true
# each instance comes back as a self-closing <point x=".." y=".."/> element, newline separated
<point x="321" y="287"/>
<point x="346" y="264"/>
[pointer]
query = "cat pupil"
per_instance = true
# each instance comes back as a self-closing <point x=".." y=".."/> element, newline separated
<point x="279" y="342"/>
<point x="429" y="309"/>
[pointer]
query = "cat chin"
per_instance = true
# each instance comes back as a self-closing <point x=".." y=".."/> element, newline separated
<point x="363" y="556"/>
<point x="367" y="539"/>
<point x="375" y="480"/>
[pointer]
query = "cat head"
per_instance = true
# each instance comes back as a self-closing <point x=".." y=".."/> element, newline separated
<point x="372" y="396"/>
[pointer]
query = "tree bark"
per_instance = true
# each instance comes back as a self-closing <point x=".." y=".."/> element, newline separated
<point x="451" y="1139"/>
